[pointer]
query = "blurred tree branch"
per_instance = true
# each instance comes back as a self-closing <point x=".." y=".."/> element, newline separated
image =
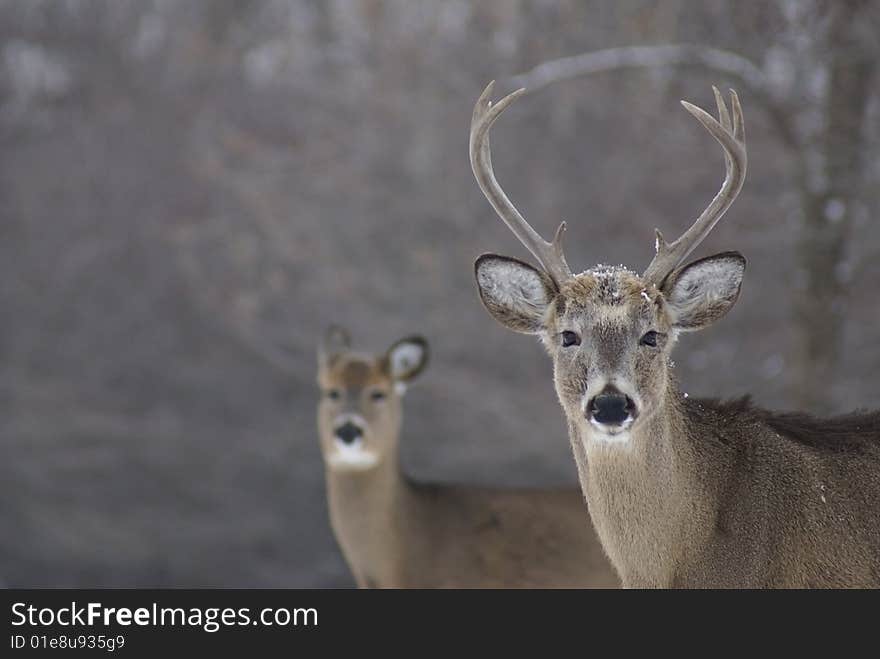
<point x="567" y="68"/>
<point x="746" y="74"/>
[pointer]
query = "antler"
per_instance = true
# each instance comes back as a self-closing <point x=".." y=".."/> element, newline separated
<point x="548" y="254"/>
<point x="733" y="140"/>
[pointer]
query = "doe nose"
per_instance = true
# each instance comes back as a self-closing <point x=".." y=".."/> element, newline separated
<point x="349" y="432"/>
<point x="611" y="407"/>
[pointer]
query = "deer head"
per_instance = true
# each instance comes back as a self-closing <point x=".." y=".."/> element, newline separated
<point x="359" y="414"/>
<point x="609" y="330"/>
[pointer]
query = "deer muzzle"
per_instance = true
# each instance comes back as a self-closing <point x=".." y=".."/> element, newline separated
<point x="611" y="408"/>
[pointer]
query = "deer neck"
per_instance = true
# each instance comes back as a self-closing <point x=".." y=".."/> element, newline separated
<point x="364" y="511"/>
<point x="646" y="498"/>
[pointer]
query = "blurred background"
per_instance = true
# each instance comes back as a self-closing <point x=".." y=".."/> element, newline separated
<point x="190" y="192"/>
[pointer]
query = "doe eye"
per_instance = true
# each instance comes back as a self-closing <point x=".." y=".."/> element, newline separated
<point x="570" y="339"/>
<point x="378" y="395"/>
<point x="650" y="339"/>
<point x="333" y="394"/>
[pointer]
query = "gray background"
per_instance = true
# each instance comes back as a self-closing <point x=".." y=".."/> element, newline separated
<point x="190" y="192"/>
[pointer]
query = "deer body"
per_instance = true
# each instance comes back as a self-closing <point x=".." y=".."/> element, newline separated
<point x="683" y="492"/>
<point x="724" y="495"/>
<point x="397" y="533"/>
<point x="407" y="535"/>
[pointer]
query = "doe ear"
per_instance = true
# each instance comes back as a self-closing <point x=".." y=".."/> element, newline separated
<point x="514" y="293"/>
<point x="335" y="340"/>
<point x="406" y="358"/>
<point x="705" y="290"/>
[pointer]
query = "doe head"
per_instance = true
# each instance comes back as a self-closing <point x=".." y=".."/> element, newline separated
<point x="360" y="412"/>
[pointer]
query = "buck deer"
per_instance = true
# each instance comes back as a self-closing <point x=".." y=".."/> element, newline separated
<point x="398" y="533"/>
<point x="683" y="492"/>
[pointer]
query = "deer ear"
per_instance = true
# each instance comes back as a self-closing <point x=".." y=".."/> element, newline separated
<point x="335" y="341"/>
<point x="407" y="358"/>
<point x="705" y="290"/>
<point x="514" y="293"/>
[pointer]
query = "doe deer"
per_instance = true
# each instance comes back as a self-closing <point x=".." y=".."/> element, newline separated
<point x="395" y="532"/>
<point x="683" y="492"/>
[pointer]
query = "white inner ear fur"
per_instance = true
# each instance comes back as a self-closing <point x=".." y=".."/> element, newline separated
<point x="703" y="286"/>
<point x="405" y="359"/>
<point x="512" y="285"/>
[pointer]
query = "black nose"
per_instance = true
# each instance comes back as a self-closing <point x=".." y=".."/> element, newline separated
<point x="611" y="407"/>
<point x="348" y="432"/>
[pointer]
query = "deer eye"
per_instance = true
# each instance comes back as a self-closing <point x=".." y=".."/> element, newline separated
<point x="334" y="394"/>
<point x="650" y="339"/>
<point x="570" y="339"/>
<point x="377" y="395"/>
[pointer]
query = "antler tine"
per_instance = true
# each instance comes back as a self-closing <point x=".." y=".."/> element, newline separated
<point x="731" y="135"/>
<point x="548" y="254"/>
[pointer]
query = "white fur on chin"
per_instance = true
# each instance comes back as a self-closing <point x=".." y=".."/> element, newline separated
<point x="353" y="457"/>
<point x="596" y="433"/>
